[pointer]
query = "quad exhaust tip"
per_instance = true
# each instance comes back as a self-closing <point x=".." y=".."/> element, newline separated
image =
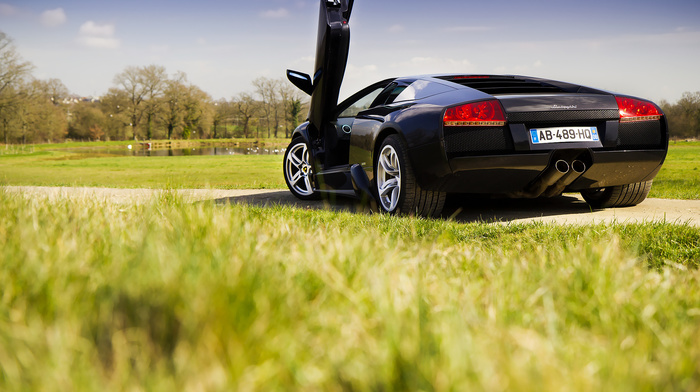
<point x="578" y="166"/>
<point x="561" y="166"/>
<point x="554" y="180"/>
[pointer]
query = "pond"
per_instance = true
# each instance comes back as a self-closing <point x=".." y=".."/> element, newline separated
<point x="143" y="150"/>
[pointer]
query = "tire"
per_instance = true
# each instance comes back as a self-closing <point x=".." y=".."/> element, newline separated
<point x="298" y="171"/>
<point x="396" y="186"/>
<point x="617" y="196"/>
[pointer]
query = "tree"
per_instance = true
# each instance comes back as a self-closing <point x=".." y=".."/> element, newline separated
<point x="174" y="98"/>
<point x="268" y="90"/>
<point x="114" y="106"/>
<point x="44" y="114"/>
<point x="13" y="73"/>
<point x="142" y="85"/>
<point x="87" y="122"/>
<point x="197" y="112"/>
<point x="221" y="111"/>
<point x="690" y="105"/>
<point x="683" y="116"/>
<point x="245" y="108"/>
<point x="292" y="106"/>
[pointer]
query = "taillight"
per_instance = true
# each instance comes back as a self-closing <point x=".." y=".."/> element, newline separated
<point x="477" y="114"/>
<point x="637" y="110"/>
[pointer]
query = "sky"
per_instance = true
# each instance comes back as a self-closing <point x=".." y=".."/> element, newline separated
<point x="648" y="49"/>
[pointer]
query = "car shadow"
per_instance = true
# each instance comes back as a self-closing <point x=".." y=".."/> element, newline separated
<point x="460" y="208"/>
<point x="484" y="209"/>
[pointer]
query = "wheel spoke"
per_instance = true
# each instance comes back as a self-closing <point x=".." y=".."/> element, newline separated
<point x="388" y="187"/>
<point x="307" y="183"/>
<point x="389" y="167"/>
<point x="296" y="161"/>
<point x="295" y="178"/>
<point x="395" y="197"/>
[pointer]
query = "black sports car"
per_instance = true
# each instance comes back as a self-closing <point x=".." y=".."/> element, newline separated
<point x="404" y="143"/>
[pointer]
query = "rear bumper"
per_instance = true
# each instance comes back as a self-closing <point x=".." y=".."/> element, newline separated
<point x="514" y="172"/>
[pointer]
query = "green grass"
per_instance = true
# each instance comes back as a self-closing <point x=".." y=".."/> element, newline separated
<point x="57" y="168"/>
<point x="47" y="165"/>
<point x="679" y="177"/>
<point x="170" y="295"/>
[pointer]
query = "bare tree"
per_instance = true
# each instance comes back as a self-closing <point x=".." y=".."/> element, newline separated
<point x="245" y="108"/>
<point x="143" y="86"/>
<point x="13" y="72"/>
<point x="268" y="90"/>
<point x="12" y="69"/>
<point x="220" y="111"/>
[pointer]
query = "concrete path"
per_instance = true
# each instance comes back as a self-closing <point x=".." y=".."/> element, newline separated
<point x="566" y="209"/>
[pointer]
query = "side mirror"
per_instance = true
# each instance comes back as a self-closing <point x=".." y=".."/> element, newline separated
<point x="301" y="80"/>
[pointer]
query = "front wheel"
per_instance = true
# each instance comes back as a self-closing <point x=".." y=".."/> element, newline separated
<point x="617" y="196"/>
<point x="396" y="184"/>
<point x="298" y="170"/>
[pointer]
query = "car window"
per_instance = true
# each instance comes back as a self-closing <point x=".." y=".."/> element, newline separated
<point x="422" y="89"/>
<point x="394" y="93"/>
<point x="361" y="104"/>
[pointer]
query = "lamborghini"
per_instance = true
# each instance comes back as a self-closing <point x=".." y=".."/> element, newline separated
<point x="403" y="144"/>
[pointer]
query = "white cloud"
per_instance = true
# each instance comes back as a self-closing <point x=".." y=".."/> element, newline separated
<point x="279" y="13"/>
<point x="8" y="10"/>
<point x="53" y="18"/>
<point x="95" y="35"/>
<point x="100" y="42"/>
<point x="93" y="29"/>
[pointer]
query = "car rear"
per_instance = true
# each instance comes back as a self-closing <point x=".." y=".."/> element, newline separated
<point x="511" y="142"/>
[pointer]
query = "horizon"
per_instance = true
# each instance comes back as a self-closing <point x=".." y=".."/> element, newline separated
<point x="637" y="48"/>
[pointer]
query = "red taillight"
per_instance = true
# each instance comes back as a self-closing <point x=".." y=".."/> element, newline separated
<point x="637" y="110"/>
<point x="483" y="114"/>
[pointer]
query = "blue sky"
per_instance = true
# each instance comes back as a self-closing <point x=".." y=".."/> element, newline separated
<point x="645" y="48"/>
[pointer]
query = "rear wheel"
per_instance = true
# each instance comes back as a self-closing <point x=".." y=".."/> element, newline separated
<point x="396" y="184"/>
<point x="298" y="170"/>
<point x="617" y="196"/>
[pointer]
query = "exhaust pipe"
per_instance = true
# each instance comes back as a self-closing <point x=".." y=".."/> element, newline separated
<point x="547" y="179"/>
<point x="578" y="166"/>
<point x="577" y="169"/>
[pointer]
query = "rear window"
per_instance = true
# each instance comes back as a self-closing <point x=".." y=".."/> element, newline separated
<point x="422" y="89"/>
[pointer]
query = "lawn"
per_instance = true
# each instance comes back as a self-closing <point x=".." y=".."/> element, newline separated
<point x="170" y="295"/>
<point x="679" y="177"/>
<point x="49" y="166"/>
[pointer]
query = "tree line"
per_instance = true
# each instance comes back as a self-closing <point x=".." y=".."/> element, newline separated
<point x="683" y="116"/>
<point x="145" y="103"/>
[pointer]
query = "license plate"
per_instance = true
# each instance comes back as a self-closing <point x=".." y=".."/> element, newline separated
<point x="564" y="135"/>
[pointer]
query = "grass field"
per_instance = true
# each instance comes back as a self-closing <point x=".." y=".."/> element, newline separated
<point x="680" y="175"/>
<point x="171" y="295"/>
<point x="178" y="296"/>
<point x="47" y="165"/>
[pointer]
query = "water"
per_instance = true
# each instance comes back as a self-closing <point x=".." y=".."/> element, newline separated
<point x="141" y="151"/>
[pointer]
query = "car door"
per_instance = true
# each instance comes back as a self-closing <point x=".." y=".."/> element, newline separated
<point x="332" y="44"/>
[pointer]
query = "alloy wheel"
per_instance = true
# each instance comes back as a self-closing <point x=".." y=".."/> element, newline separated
<point x="389" y="178"/>
<point x="298" y="170"/>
